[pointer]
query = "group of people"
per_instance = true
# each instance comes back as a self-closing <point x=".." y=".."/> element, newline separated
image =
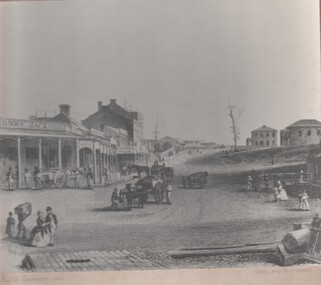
<point x="119" y="196"/>
<point x="41" y="235"/>
<point x="279" y="192"/>
<point x="12" y="178"/>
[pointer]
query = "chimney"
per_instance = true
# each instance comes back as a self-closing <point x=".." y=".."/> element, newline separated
<point x="112" y="101"/>
<point x="64" y="109"/>
<point x="100" y="105"/>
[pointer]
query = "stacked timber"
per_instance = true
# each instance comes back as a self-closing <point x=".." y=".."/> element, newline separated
<point x="293" y="247"/>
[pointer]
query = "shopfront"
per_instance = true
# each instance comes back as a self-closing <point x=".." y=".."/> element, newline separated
<point x="26" y="144"/>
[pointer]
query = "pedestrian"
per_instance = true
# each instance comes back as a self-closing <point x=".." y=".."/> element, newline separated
<point x="301" y="175"/>
<point x="128" y="196"/>
<point x="168" y="189"/>
<point x="10" y="179"/>
<point x="51" y="220"/>
<point x="36" y="177"/>
<point x="10" y="225"/>
<point x="283" y="194"/>
<point x="249" y="183"/>
<point x="305" y="205"/>
<point x="277" y="195"/>
<point x="21" y="227"/>
<point x="114" y="199"/>
<point x="300" y="199"/>
<point x="16" y="176"/>
<point x="27" y="177"/>
<point x="90" y="177"/>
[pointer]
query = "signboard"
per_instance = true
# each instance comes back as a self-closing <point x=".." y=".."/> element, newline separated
<point x="32" y="125"/>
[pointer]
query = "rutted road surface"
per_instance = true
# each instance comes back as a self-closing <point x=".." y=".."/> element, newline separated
<point x="214" y="216"/>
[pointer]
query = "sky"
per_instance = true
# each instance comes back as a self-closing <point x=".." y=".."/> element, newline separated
<point x="181" y="62"/>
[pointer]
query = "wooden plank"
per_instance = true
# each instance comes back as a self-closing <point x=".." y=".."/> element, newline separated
<point x="214" y="252"/>
<point x="46" y="265"/>
<point x="112" y="260"/>
<point x="139" y="263"/>
<point x="63" y="260"/>
<point x="103" y="264"/>
<point x="90" y="265"/>
<point x="72" y="256"/>
<point x="59" y="262"/>
<point x="99" y="263"/>
<point x="53" y="262"/>
<point x="34" y="260"/>
<point x="65" y="256"/>
<point x="125" y="259"/>
<point x="147" y="262"/>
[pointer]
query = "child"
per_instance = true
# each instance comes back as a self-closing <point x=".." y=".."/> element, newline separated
<point x="27" y="177"/>
<point x="10" y="225"/>
<point x="304" y="198"/>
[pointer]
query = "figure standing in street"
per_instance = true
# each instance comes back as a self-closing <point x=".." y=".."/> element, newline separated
<point x="249" y="183"/>
<point x="27" y="177"/>
<point x="10" y="225"/>
<point x="21" y="227"/>
<point x="128" y="196"/>
<point x="36" y="177"/>
<point x="51" y="220"/>
<point x="10" y="178"/>
<point x="168" y="190"/>
<point x="90" y="177"/>
<point x="305" y="203"/>
<point x="114" y="199"/>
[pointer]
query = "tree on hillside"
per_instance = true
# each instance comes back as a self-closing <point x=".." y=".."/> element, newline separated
<point x="235" y="115"/>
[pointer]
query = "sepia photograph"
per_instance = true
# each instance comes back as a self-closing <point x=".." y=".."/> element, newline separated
<point x="142" y="135"/>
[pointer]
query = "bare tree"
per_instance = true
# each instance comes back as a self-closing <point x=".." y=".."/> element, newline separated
<point x="234" y="115"/>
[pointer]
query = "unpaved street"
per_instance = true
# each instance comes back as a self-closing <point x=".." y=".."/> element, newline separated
<point x="214" y="216"/>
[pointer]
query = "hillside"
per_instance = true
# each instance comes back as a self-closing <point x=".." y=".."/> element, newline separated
<point x="280" y="154"/>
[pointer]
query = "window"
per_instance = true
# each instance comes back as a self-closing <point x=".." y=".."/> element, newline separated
<point x="319" y="132"/>
<point x="273" y="134"/>
<point x="255" y="134"/>
<point x="261" y="142"/>
<point x="256" y="143"/>
<point x="261" y="134"/>
<point x="300" y="133"/>
<point x="267" y="143"/>
<point x="273" y="142"/>
<point x="309" y="133"/>
<point x="267" y="134"/>
<point x="31" y="153"/>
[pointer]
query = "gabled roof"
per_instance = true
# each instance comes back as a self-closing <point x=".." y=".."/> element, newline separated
<point x="264" y="128"/>
<point x="306" y="123"/>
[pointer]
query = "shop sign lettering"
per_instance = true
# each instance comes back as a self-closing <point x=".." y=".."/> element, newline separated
<point x="34" y="125"/>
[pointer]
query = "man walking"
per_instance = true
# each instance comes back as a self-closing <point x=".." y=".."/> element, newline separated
<point x="168" y="189"/>
<point x="52" y="224"/>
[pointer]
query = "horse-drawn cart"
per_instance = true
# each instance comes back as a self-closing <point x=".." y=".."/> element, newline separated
<point x="151" y="185"/>
<point x="198" y="178"/>
<point x="57" y="178"/>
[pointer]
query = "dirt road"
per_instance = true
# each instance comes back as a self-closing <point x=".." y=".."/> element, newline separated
<point x="214" y="216"/>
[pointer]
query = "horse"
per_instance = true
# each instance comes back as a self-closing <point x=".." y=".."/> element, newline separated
<point x="140" y="169"/>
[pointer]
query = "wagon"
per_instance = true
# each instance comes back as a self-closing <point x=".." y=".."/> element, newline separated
<point x="195" y="179"/>
<point x="151" y="185"/>
<point x="57" y="178"/>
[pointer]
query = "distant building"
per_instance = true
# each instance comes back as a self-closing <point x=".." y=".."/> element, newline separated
<point x="303" y="132"/>
<point x="168" y="139"/>
<point x="125" y="126"/>
<point x="263" y="137"/>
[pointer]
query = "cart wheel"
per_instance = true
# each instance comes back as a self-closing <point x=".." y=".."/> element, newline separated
<point x="59" y="179"/>
<point x="158" y="192"/>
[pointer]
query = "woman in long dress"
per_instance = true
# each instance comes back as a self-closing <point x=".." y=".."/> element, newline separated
<point x="39" y="234"/>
